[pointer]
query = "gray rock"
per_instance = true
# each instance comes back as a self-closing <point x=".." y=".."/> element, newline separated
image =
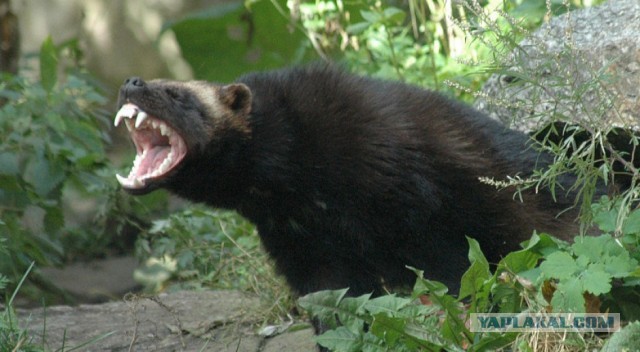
<point x="181" y="321"/>
<point x="583" y="66"/>
<point x="97" y="281"/>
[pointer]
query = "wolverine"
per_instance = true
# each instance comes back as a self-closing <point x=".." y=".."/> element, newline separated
<point x="348" y="179"/>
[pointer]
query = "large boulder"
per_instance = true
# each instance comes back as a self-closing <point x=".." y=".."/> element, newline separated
<point x="583" y="65"/>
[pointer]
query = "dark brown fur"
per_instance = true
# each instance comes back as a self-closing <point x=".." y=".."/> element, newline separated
<point x="350" y="179"/>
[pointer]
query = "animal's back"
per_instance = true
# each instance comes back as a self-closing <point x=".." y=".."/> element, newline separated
<point x="364" y="177"/>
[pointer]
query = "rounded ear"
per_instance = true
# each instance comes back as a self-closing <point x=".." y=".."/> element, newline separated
<point x="237" y="97"/>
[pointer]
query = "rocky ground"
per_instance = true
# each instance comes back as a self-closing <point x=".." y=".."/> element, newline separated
<point x="181" y="321"/>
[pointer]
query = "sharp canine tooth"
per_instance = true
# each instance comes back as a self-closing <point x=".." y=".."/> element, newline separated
<point x="140" y="119"/>
<point x="163" y="129"/>
<point x="122" y="180"/>
<point x="127" y="110"/>
<point x="118" y="118"/>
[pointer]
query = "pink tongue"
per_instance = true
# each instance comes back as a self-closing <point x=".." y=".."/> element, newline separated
<point x="154" y="158"/>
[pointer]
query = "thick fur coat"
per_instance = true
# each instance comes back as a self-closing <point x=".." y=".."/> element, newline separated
<point x="348" y="179"/>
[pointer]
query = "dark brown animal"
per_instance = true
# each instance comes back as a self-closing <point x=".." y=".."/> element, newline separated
<point x="348" y="179"/>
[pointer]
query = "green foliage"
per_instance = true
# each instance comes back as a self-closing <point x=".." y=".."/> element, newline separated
<point x="229" y="39"/>
<point x="396" y="323"/>
<point x="52" y="157"/>
<point x="422" y="42"/>
<point x="627" y="339"/>
<point x="598" y="265"/>
<point x="199" y="247"/>
<point x="48" y="64"/>
<point x="12" y="336"/>
<point x="416" y="44"/>
<point x="48" y="139"/>
<point x="374" y="324"/>
<point x="589" y="265"/>
<point x="204" y="245"/>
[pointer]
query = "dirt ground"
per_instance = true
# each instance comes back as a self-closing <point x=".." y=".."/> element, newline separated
<point x="180" y="321"/>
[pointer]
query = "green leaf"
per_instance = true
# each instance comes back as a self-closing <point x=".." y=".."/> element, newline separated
<point x="371" y="343"/>
<point x="53" y="218"/>
<point x="437" y="292"/>
<point x="627" y="339"/>
<point x="358" y="28"/>
<point x="44" y="175"/>
<point x="473" y="279"/>
<point x="596" y="280"/>
<point x="323" y="305"/>
<point x="621" y="265"/>
<point x="227" y="40"/>
<point x="388" y="304"/>
<point x="8" y="164"/>
<point x="12" y="192"/>
<point x="422" y="336"/>
<point x="496" y="342"/>
<point x="370" y="16"/>
<point x="355" y="307"/>
<point x="340" y="339"/>
<point x="632" y="223"/>
<point x="476" y="255"/>
<point x="388" y="328"/>
<point x="519" y="261"/>
<point x="544" y="244"/>
<point x="568" y="296"/>
<point x="606" y="219"/>
<point x="425" y="286"/>
<point x="48" y="64"/>
<point x="590" y="246"/>
<point x="394" y="15"/>
<point x="559" y="265"/>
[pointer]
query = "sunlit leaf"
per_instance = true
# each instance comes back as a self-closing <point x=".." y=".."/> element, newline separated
<point x="48" y="64"/>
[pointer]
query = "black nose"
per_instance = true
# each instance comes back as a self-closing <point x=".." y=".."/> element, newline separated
<point x="133" y="83"/>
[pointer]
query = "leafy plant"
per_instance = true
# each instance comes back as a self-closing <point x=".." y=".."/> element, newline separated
<point x="200" y="247"/>
<point x="589" y="265"/>
<point x="422" y="42"/>
<point x="430" y="319"/>
<point x="520" y="282"/>
<point x="12" y="337"/>
<point x="52" y="158"/>
<point x="417" y="44"/>
<point x="593" y="274"/>
<point x="227" y="40"/>
<point x="375" y="324"/>
<point x="626" y="339"/>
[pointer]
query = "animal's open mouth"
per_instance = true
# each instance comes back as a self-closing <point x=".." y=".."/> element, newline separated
<point x="159" y="148"/>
